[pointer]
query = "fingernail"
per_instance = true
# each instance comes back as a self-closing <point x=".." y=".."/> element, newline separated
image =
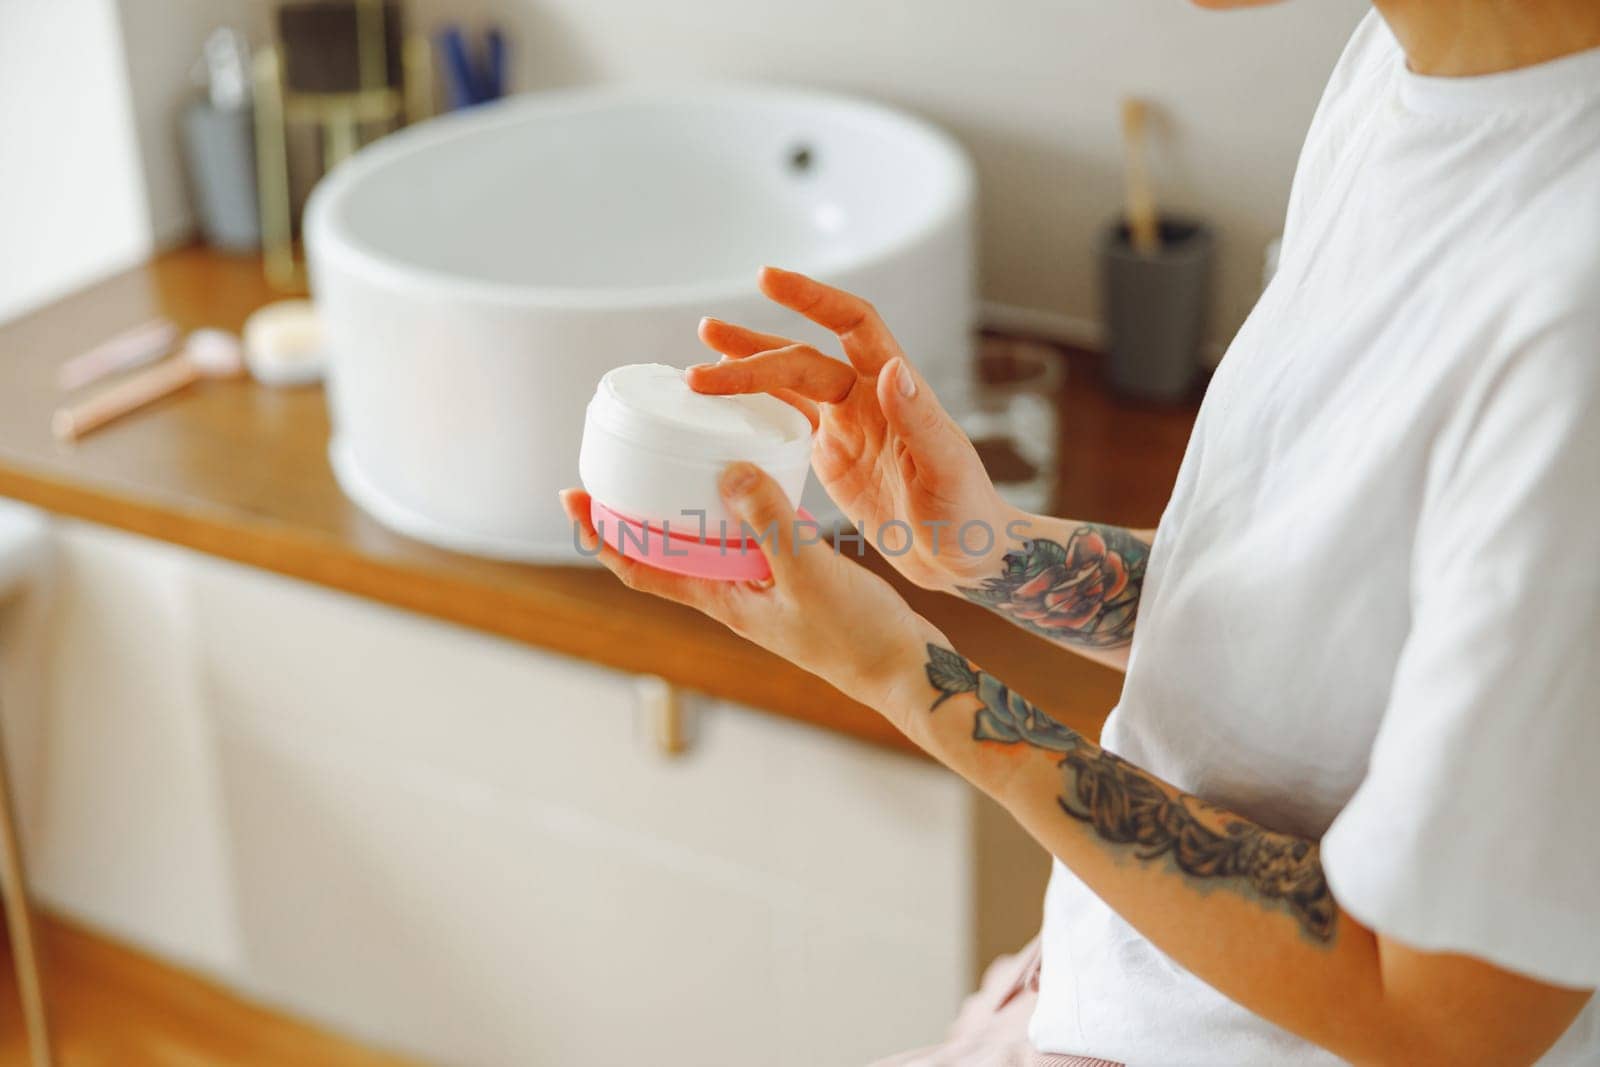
<point x="738" y="479"/>
<point x="904" y="380"/>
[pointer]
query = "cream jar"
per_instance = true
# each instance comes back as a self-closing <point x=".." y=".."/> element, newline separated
<point x="653" y="449"/>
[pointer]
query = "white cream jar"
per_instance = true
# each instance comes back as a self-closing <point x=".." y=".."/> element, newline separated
<point x="653" y="448"/>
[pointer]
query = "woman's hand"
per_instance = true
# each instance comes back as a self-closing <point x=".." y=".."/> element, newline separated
<point x="884" y="449"/>
<point x="820" y="611"/>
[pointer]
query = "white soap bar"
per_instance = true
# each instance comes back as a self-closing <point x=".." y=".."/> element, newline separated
<point x="660" y="391"/>
<point x="283" y="343"/>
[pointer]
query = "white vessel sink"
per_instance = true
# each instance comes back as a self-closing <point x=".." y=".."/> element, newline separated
<point x="477" y="274"/>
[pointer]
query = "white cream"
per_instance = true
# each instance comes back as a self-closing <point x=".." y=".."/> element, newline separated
<point x="659" y="391"/>
<point x="653" y="449"/>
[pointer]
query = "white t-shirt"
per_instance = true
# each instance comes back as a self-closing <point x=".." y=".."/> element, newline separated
<point x="1372" y="610"/>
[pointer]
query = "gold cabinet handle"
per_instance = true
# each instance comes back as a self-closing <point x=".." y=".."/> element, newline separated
<point x="662" y="707"/>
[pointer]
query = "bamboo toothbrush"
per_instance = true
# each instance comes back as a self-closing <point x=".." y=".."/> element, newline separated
<point x="205" y="354"/>
<point x="1143" y="229"/>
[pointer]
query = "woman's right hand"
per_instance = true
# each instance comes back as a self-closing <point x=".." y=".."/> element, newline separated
<point x="885" y="450"/>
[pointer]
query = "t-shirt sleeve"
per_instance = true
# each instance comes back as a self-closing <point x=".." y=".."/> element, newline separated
<point x="1477" y="826"/>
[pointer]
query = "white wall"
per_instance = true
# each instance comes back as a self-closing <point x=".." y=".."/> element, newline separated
<point x="71" y="181"/>
<point x="1030" y="86"/>
<point x="162" y="40"/>
<point x="91" y="170"/>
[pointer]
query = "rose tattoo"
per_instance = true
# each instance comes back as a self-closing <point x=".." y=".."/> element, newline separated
<point x="1002" y="715"/>
<point x="1085" y="592"/>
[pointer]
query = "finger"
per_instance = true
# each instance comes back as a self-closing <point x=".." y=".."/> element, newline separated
<point x="919" y="423"/>
<point x="803" y="405"/>
<point x="693" y="592"/>
<point x="867" y="341"/>
<point x="800" y="368"/>
<point x="765" y="513"/>
<point x="736" y="342"/>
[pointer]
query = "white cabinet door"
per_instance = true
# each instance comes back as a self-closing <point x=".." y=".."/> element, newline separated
<point x="473" y="851"/>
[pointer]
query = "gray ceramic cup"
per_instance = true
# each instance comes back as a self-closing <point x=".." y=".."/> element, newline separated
<point x="220" y="145"/>
<point x="1155" y="307"/>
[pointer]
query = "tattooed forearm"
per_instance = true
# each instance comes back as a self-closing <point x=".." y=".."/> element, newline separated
<point x="1083" y="593"/>
<point x="1127" y="807"/>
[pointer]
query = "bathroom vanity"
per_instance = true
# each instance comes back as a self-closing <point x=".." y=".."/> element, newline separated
<point x="256" y="733"/>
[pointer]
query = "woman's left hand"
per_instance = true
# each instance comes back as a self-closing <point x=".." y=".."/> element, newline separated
<point x="820" y="611"/>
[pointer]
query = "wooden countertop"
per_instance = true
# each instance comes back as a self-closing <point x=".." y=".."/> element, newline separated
<point x="240" y="471"/>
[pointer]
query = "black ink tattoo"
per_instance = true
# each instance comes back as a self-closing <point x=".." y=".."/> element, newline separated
<point x="1125" y="806"/>
<point x="1084" y="593"/>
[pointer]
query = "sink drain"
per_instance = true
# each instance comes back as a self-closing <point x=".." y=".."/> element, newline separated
<point x="801" y="159"/>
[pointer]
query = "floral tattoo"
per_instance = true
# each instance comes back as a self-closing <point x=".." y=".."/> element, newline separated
<point x="1083" y="593"/>
<point x="1124" y="806"/>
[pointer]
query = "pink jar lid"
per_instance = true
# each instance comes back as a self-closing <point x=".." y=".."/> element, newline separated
<point x="682" y="551"/>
